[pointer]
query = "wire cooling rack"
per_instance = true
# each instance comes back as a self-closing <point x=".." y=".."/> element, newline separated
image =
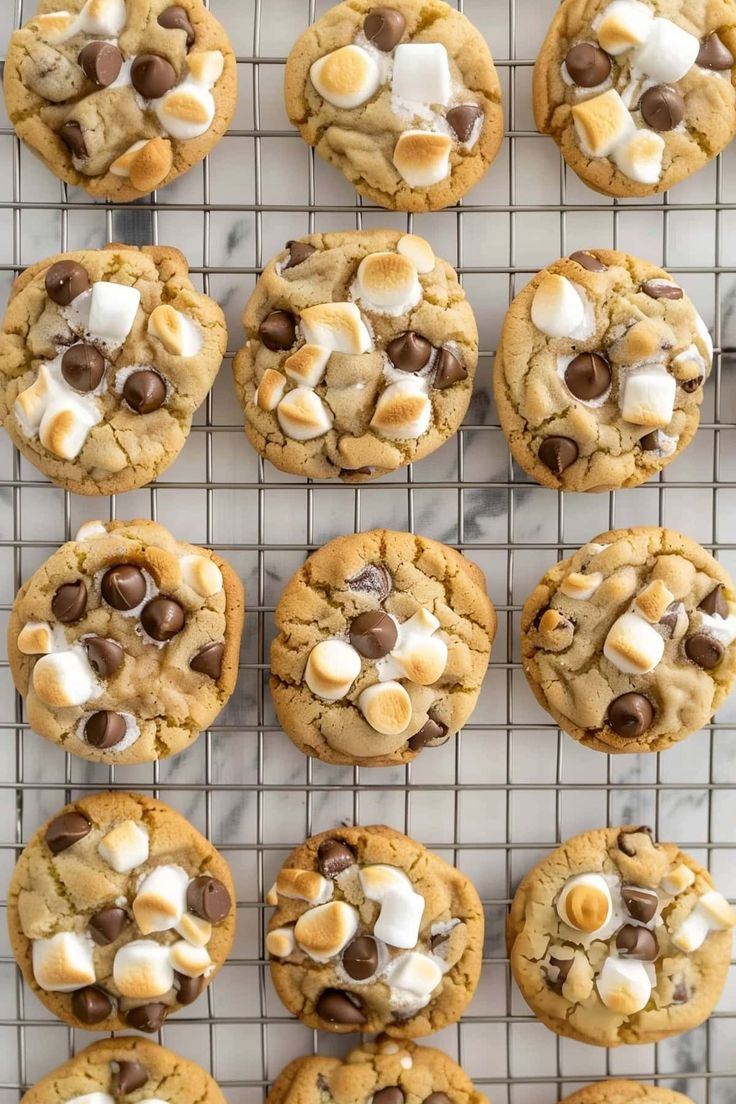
<point x="511" y="786"/>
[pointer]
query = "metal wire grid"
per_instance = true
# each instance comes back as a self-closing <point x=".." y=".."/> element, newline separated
<point x="512" y="785"/>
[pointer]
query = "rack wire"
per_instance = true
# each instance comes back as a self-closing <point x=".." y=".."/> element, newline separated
<point x="512" y="785"/>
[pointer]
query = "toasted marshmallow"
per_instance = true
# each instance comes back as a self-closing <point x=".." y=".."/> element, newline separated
<point x="65" y="427"/>
<point x="281" y="942"/>
<point x="337" y="327"/>
<point x="624" y="985"/>
<point x="176" y="331"/>
<point x="418" y="251"/>
<point x="35" y="638"/>
<point x="379" y="879"/>
<point x="331" y="670"/>
<point x="640" y="156"/>
<point x="112" y="312"/>
<point x="64" y="679"/>
<point x="633" y="645"/>
<point x="387" y="707"/>
<point x="31" y="404"/>
<point x="422" y="157"/>
<point x="623" y="25"/>
<point x="194" y="929"/>
<point x="307" y="365"/>
<point x="206" y="67"/>
<point x="187" y="110"/>
<point x="64" y="962"/>
<point x="142" y="970"/>
<point x="414" y="973"/>
<point x="346" y="77"/>
<point x="304" y="885"/>
<point x="103" y="17"/>
<point x="557" y="309"/>
<point x="201" y="574"/>
<point x="400" y="918"/>
<point x="125" y="846"/>
<point x="189" y="960"/>
<point x="160" y="901"/>
<point x="585" y="903"/>
<point x="722" y="628"/>
<point x="711" y="913"/>
<point x="579" y="586"/>
<point x="322" y="932"/>
<point x="56" y="27"/>
<point x="649" y="398"/>
<point x="602" y="123"/>
<point x="653" y="601"/>
<point x="418" y="654"/>
<point x="122" y="165"/>
<point x="303" y="416"/>
<point x="668" y="53"/>
<point x="421" y="73"/>
<point x="387" y="283"/>
<point x="403" y="411"/>
<point x="270" y="390"/>
<point x="704" y="334"/>
<point x="678" y="880"/>
<point x="90" y="530"/>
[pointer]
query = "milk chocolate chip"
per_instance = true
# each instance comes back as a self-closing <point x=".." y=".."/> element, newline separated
<point x="208" y="898"/>
<point x="106" y="656"/>
<point x="372" y="579"/>
<point x="588" y="65"/>
<point x="72" y="136"/>
<point x="188" y="989"/>
<point x="558" y="453"/>
<point x="410" y="352"/>
<point x="360" y="958"/>
<point x="91" y="1005"/>
<point x="635" y="942"/>
<point x="176" y="18"/>
<point x="162" y="618"/>
<point x="715" y="603"/>
<point x="128" y="1077"/>
<point x="278" y="331"/>
<point x="105" y="729"/>
<point x="383" y="27"/>
<point x="704" y="651"/>
<point x="101" y="63"/>
<point x="714" y="54"/>
<point x="152" y="76"/>
<point x="123" y="586"/>
<point x="650" y="442"/>
<point x="588" y="376"/>
<point x="691" y="386"/>
<point x="65" y="831"/>
<point x="462" y="120"/>
<point x="107" y="925"/>
<point x="630" y="715"/>
<point x="431" y="734"/>
<point x="148" y="1018"/>
<point x="298" y="253"/>
<point x="373" y="634"/>
<point x="660" y="289"/>
<point x="144" y="391"/>
<point x="390" y="1095"/>
<point x="65" y="280"/>
<point x="437" y="1098"/>
<point x="341" y="1008"/>
<point x="641" y="904"/>
<point x="626" y="840"/>
<point x="334" y="856"/>
<point x="69" y="604"/>
<point x="562" y="965"/>
<point x="588" y="261"/>
<point x="449" y="370"/>
<point x="662" y="107"/>
<point x="208" y="660"/>
<point x="83" y="367"/>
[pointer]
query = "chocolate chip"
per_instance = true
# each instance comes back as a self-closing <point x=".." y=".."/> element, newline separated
<point x="704" y="651"/>
<point x="588" y="261"/>
<point x="298" y="254"/>
<point x="83" y="367"/>
<point x="208" y="660"/>
<point x="162" y="618"/>
<point x="410" y="352"/>
<point x="588" y="65"/>
<point x="641" y="904"/>
<point x="714" y="54"/>
<point x="635" y="942"/>
<point x="439" y="940"/>
<point x="383" y="27"/>
<point x="373" y="634"/>
<point x="148" y="1018"/>
<point x="106" y="656"/>
<point x="626" y="844"/>
<point x="360" y="958"/>
<point x="662" y="107"/>
<point x="278" y="331"/>
<point x="69" y="604"/>
<point x="337" y="1007"/>
<point x="670" y="617"/>
<point x="346" y="473"/>
<point x="390" y="1095"/>
<point x="176" y="18"/>
<point x="334" y="856"/>
<point x="437" y="1098"/>
<point x="680" y="994"/>
<point x="714" y="603"/>
<point x="65" y="831"/>
<point x="152" y="76"/>
<point x="101" y="63"/>
<point x="462" y="120"/>
<point x="91" y="1005"/>
<point x="448" y="370"/>
<point x="188" y="989"/>
<point x="144" y="391"/>
<point x="660" y="289"/>
<point x="208" y="898"/>
<point x="65" y="280"/>
<point x="107" y="925"/>
<point x="588" y="376"/>
<point x="105" y="729"/>
<point x="372" y="579"/>
<point x="128" y="1077"/>
<point x="431" y="734"/>
<point x="72" y="136"/>
<point x="558" y="453"/>
<point x="691" y="386"/>
<point x="563" y="966"/>
<point x="650" y="442"/>
<point x="123" y="586"/>
<point x="630" y="715"/>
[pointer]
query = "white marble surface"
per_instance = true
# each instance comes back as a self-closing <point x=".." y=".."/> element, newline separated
<point x="512" y="786"/>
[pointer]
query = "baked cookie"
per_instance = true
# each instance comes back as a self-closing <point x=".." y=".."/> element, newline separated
<point x="373" y="933"/>
<point x="119" y="912"/>
<point x="614" y="938"/>
<point x="125" y="643"/>
<point x="615" y="1091"/>
<point x="629" y="643"/>
<point x="119" y="1071"/>
<point x="638" y="95"/>
<point x="120" y="98"/>
<point x="599" y="375"/>
<point x="360" y="358"/>
<point x="384" y="1071"/>
<point x="402" y="98"/>
<point x="382" y="647"/>
<point x="105" y="356"/>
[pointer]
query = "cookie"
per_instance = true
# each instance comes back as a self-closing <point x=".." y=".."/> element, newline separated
<point x="614" y="938"/>
<point x="615" y="1091"/>
<point x="120" y="99"/>
<point x="600" y="372"/>
<point x="382" y="647"/>
<point x="120" y="913"/>
<point x="385" y="1071"/>
<point x="360" y="358"/>
<point x="629" y="643"/>
<point x="402" y="98"/>
<point x="118" y="1071"/>
<point x="638" y="95"/>
<point x="125" y="643"/>
<point x="373" y="933"/>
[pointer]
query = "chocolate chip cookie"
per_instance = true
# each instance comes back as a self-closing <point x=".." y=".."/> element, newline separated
<point x="629" y="643"/>
<point x="383" y="643"/>
<point x="402" y="98"/>
<point x="615" y="938"/>
<point x="638" y="95"/>
<point x="360" y="358"/>
<point x="614" y="1091"/>
<point x="120" y="913"/>
<point x="105" y="355"/>
<point x="125" y="643"/>
<point x="120" y="99"/>
<point x="600" y="372"/>
<point x="118" y="1071"/>
<point x="373" y="933"/>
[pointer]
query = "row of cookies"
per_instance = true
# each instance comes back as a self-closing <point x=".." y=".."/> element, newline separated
<point x="404" y="99"/>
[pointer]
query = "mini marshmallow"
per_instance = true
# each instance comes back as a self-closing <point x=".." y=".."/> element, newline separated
<point x="64" y="679"/>
<point x="422" y="73"/>
<point x="201" y="574"/>
<point x="304" y="885"/>
<point x="56" y="26"/>
<point x="194" y="929"/>
<point x="346" y="77"/>
<point x="640" y="156"/>
<point x="206" y="67"/>
<point x="690" y="363"/>
<point x="653" y="601"/>
<point x="378" y="880"/>
<point x="557" y="309"/>
<point x="35" y="638"/>
<point x="160" y="901"/>
<point x="386" y="707"/>
<point x="422" y="157"/>
<point x="90" y="530"/>
<point x="65" y="427"/>
<point x="602" y="123"/>
<point x="678" y="880"/>
<point x="704" y="334"/>
<point x="103" y="17"/>
<point x="388" y="283"/>
<point x="186" y="111"/>
<point x="307" y="365"/>
<point x="176" y="331"/>
<point x="64" y="962"/>
<point x="112" y="312"/>
<point x="270" y="390"/>
<point x="418" y="654"/>
<point x="332" y="668"/>
<point x="668" y="53"/>
<point x="303" y="416"/>
<point x="324" y="931"/>
<point x="585" y="903"/>
<point x="142" y="970"/>
<point x="722" y="628"/>
<point x="649" y="398"/>
<point x="31" y="404"/>
<point x="711" y="913"/>
<point x="125" y="846"/>
<point x="122" y="165"/>
<point x="403" y="411"/>
<point x="400" y="918"/>
<point x="281" y="942"/>
<point x="624" y="985"/>
<point x="337" y="327"/>
<point x="579" y="586"/>
<point x="623" y="25"/>
<point x="96" y="1098"/>
<point x="189" y="960"/>
<point x="415" y="973"/>
<point x="633" y="645"/>
<point x="418" y="251"/>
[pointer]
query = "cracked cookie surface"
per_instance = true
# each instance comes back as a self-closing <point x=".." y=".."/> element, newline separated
<point x="383" y="643"/>
<point x="125" y="643"/>
<point x="403" y="99"/>
<point x="105" y="356"/>
<point x="600" y="372"/>
<point x="638" y="95"/>
<point x="629" y="643"/>
<point x="374" y="933"/>
<point x="120" y="97"/>
<point x="120" y="1070"/>
<point x="614" y="938"/>
<point x="616" y="1091"/>
<point x="119" y="913"/>
<point x="361" y="354"/>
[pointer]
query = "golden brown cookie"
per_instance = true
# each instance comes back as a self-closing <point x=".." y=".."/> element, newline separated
<point x="615" y="1091"/>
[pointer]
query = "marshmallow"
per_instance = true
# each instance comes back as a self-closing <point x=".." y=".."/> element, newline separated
<point x="112" y="312"/>
<point x="270" y="390"/>
<point x="653" y="601"/>
<point x="322" y="932"/>
<point x="649" y="398"/>
<point x="201" y="574"/>
<point x="331" y="670"/>
<point x="103" y="17"/>
<point x="90" y="530"/>
<point x="303" y="416"/>
<point x="347" y="77"/>
<point x="422" y="157"/>
<point x="623" y="25"/>
<point x="304" y="885"/>
<point x="668" y="53"/>
<point x="186" y="111"/>
<point x="579" y="586"/>
<point x="64" y="679"/>
<point x="281" y="942"/>
<point x="690" y="363"/>
<point x="337" y="327"/>
<point x="194" y="929"/>
<point x="418" y="251"/>
<point x="377" y="880"/>
<point x="421" y="73"/>
<point x="387" y="283"/>
<point x="418" y="655"/>
<point x="624" y="985"/>
<point x="35" y="638"/>
<point x="190" y="960"/>
<point x="711" y="913"/>
<point x="414" y="973"/>
<point x="387" y="707"/>
<point x="206" y="67"/>
<point x="176" y="331"/>
<point x="403" y="411"/>
<point x="160" y="902"/>
<point x="65" y="427"/>
<point x="400" y="918"/>
<point x="585" y="903"/>
<point x="96" y="1098"/>
<point x="722" y="628"/>
<point x="678" y="880"/>
<point x="125" y="846"/>
<point x="142" y="970"/>
<point x="640" y="156"/>
<point x="64" y="962"/>
<point x="557" y="309"/>
<point x="602" y="123"/>
<point x="704" y="334"/>
<point x="307" y="365"/>
<point x="56" y="27"/>
<point x="633" y="645"/>
<point x="122" y="165"/>
<point x="31" y="403"/>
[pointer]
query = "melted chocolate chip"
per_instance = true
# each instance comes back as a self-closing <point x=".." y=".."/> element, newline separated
<point x="337" y="1007"/>
<point x="334" y="856"/>
<point x="662" y="107"/>
<point x="713" y="54"/>
<point x="588" y="376"/>
<point x="105" y="729"/>
<point x="152" y="76"/>
<point x="101" y="63"/>
<point x="65" y="831"/>
<point x="715" y="603"/>
<point x="65" y="280"/>
<point x="588" y="261"/>
<point x="588" y="65"/>
<point x="680" y="994"/>
<point x="162" y="618"/>
<point x="208" y="898"/>
<point x="558" y="453"/>
<point x="83" y="367"/>
<point x="176" y="18"/>
<point x="562" y="965"/>
<point x="641" y="904"/>
<point x="123" y="586"/>
<point x="431" y="734"/>
<point x="373" y="579"/>
<point x="670" y="617"/>
<point x="72" y="136"/>
<point x="278" y="331"/>
<point x="390" y="1095"/>
<point x="128" y="1077"/>
<point x="107" y="925"/>
<point x="144" y="391"/>
<point x="410" y="352"/>
<point x="626" y="843"/>
<point x="704" y="650"/>
<point x="383" y="27"/>
<point x="360" y="958"/>
<point x="439" y="940"/>
<point x="660" y="289"/>
<point x="448" y="370"/>
<point x="208" y="660"/>
<point x="188" y="989"/>
<point x="437" y="1098"/>
<point x="148" y="1018"/>
<point x="462" y="120"/>
<point x="636" y="942"/>
<point x="373" y="634"/>
<point x="630" y="715"/>
<point x="691" y="386"/>
<point x="91" y="1005"/>
<point x="298" y="254"/>
<point x="650" y="442"/>
<point x="106" y="656"/>
<point x="69" y="604"/>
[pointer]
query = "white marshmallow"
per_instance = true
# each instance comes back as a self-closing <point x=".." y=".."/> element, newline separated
<point x="386" y="707"/>
<point x="206" y="67"/>
<point x="64" y="679"/>
<point x="678" y="880"/>
<point x="585" y="903"/>
<point x="633" y="645"/>
<point x="711" y="913"/>
<point x="186" y="111"/>
<point x="103" y="17"/>
<point x="653" y="601"/>
<point x="32" y="403"/>
<point x="122" y="165"/>
<point x="270" y="390"/>
<point x="176" y="331"/>
<point x="64" y="962"/>
<point x="557" y="309"/>
<point x="423" y="157"/>
<point x="65" y="426"/>
<point x="387" y="283"/>
<point x="400" y="918"/>
<point x="403" y="411"/>
<point x="640" y="156"/>
<point x="418" y="251"/>
<point x="281" y="942"/>
<point x="722" y="628"/>
<point x="94" y="1098"/>
<point x="307" y="365"/>
<point x="90" y="530"/>
<point x="322" y="932"/>
<point x="337" y="327"/>
<point x="414" y="973"/>
<point x="190" y="960"/>
<point x="303" y="885"/>
<point x="418" y="654"/>
<point x="194" y="929"/>
<point x="303" y="416"/>
<point x="602" y="123"/>
<point x="346" y="77"/>
<point x="377" y="880"/>
<point x="35" y="638"/>
<point x="125" y="846"/>
<point x="201" y="574"/>
<point x="160" y="902"/>
<point x="624" y="985"/>
<point x="668" y="53"/>
<point x="112" y="312"/>
<point x="691" y="355"/>
<point x="142" y="970"/>
<point x="649" y="398"/>
<point x="57" y="26"/>
<point x="422" y="73"/>
<point x="704" y="335"/>
<point x="623" y="25"/>
<point x="579" y="586"/>
<point x="332" y="668"/>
